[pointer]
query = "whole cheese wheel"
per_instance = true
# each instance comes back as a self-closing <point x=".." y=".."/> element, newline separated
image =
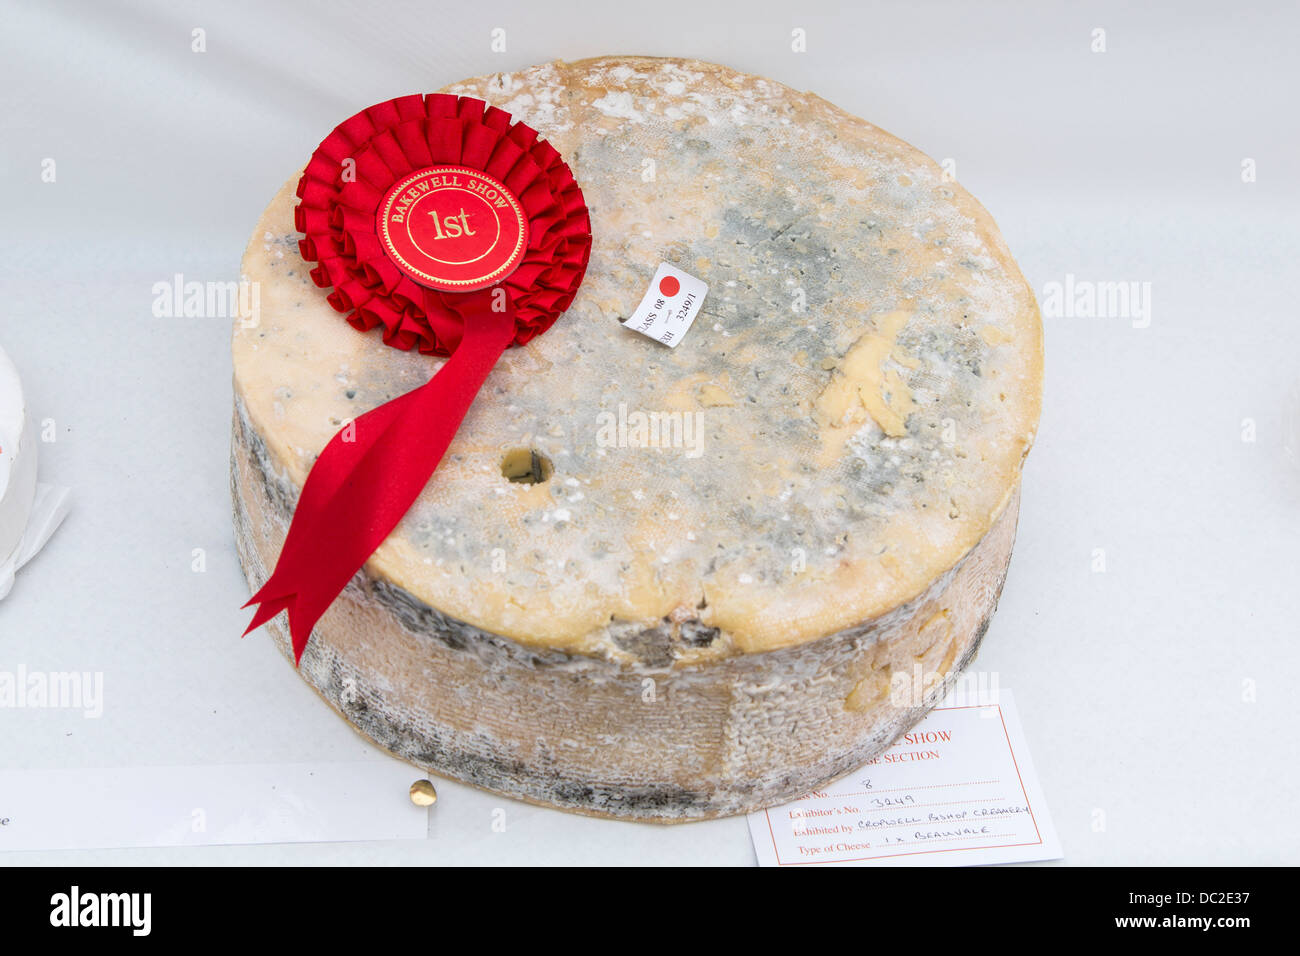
<point x="675" y="583"/>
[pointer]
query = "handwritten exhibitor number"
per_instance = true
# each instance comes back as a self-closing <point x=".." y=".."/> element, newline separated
<point x="883" y="802"/>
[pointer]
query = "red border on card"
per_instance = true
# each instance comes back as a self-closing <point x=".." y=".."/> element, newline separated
<point x="956" y="849"/>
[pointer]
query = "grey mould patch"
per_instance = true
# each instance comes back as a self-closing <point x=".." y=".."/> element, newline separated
<point x="962" y="348"/>
<point x="657" y="647"/>
<point x="699" y="635"/>
<point x="280" y="492"/>
<point x="653" y="646"/>
<point x="759" y="258"/>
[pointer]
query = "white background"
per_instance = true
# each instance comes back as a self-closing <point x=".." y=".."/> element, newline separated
<point x="1115" y="166"/>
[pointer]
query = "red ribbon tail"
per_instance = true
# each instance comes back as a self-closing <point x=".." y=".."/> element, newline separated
<point x="269" y="609"/>
<point x="367" y="478"/>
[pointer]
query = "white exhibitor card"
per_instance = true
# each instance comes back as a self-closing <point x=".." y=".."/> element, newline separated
<point x="958" y="789"/>
<point x="194" y="806"/>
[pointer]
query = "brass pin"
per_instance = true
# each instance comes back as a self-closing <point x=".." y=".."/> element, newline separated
<point x="423" y="793"/>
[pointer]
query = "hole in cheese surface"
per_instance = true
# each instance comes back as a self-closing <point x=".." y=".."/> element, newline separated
<point x="526" y="466"/>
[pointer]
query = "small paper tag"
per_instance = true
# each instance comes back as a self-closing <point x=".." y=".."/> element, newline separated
<point x="958" y="789"/>
<point x="669" y="306"/>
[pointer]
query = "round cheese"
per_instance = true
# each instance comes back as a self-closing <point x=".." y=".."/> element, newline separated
<point x="815" y="488"/>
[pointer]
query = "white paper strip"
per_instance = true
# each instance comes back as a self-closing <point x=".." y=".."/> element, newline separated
<point x="194" y="806"/>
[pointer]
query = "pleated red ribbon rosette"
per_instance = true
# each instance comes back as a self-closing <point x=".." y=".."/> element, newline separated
<point x="456" y="231"/>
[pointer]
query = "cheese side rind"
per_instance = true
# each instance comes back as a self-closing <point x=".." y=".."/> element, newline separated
<point x="740" y="543"/>
<point x="653" y="739"/>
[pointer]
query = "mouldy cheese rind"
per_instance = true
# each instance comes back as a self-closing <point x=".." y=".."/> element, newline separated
<point x="707" y="617"/>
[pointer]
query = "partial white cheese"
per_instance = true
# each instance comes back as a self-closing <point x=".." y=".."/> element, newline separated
<point x="763" y="520"/>
<point x="17" y="465"/>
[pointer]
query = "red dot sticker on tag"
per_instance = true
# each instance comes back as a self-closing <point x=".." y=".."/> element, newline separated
<point x="452" y="228"/>
<point x="669" y="286"/>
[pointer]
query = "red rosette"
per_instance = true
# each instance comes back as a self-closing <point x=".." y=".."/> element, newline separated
<point x="438" y="284"/>
<point x="352" y="171"/>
